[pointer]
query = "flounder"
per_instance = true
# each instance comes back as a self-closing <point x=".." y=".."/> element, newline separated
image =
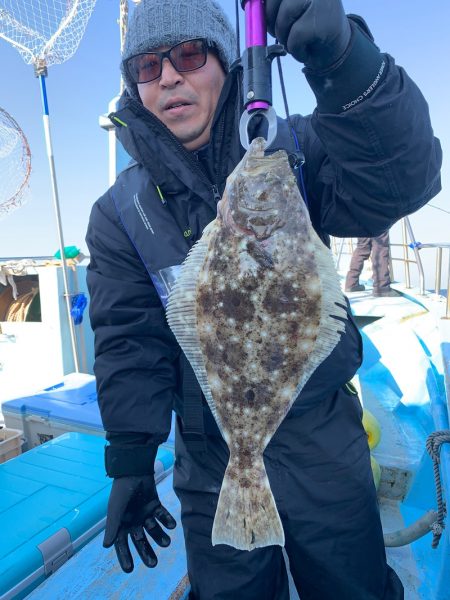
<point x="256" y="308"/>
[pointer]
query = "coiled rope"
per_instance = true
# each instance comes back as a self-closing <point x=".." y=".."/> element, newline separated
<point x="433" y="446"/>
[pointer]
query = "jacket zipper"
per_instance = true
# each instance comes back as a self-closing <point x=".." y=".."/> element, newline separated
<point x="216" y="194"/>
<point x="214" y="187"/>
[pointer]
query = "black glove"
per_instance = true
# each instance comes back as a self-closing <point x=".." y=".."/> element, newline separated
<point x="343" y="66"/>
<point x="315" y="32"/>
<point x="134" y="506"/>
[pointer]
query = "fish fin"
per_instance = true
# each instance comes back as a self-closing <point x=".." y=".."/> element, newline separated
<point x="247" y="517"/>
<point x="333" y="312"/>
<point x="181" y="311"/>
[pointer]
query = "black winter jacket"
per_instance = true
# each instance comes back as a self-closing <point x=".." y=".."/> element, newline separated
<point x="365" y="168"/>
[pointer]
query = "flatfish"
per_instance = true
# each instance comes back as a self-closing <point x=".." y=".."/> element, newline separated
<point x="256" y="308"/>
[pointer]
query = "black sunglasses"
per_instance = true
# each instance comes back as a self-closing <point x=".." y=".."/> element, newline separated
<point x="185" y="56"/>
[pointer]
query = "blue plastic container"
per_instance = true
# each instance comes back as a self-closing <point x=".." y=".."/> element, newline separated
<point x="53" y="501"/>
<point x="69" y="405"/>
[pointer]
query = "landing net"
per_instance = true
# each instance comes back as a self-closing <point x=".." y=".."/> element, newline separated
<point x="15" y="164"/>
<point x="45" y="32"/>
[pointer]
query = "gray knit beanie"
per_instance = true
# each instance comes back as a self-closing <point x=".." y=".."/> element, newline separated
<point x="155" y="23"/>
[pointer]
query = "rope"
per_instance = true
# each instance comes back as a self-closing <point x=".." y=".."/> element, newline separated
<point x="183" y="587"/>
<point x="433" y="446"/>
<point x="439" y="208"/>
<point x="296" y="161"/>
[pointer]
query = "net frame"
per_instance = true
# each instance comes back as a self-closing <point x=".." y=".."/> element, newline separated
<point x="44" y="37"/>
<point x="13" y="144"/>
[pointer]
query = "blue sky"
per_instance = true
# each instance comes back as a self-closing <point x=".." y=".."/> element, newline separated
<point x="414" y="32"/>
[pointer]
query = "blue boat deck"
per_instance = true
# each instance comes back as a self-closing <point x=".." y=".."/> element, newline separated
<point x="403" y="381"/>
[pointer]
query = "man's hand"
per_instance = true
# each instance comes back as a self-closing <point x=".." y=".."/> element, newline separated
<point x="134" y="506"/>
<point x="315" y="32"/>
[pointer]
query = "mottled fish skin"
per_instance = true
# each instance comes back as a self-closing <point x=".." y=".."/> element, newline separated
<point x="262" y="327"/>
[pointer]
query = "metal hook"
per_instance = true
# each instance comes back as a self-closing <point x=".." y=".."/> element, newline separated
<point x="271" y="117"/>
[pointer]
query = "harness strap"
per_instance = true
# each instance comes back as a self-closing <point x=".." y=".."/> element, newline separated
<point x="193" y="424"/>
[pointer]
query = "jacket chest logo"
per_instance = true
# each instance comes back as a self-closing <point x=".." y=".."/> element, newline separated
<point x="141" y="212"/>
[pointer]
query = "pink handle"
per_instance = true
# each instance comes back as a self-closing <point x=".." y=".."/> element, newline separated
<point x="255" y="23"/>
<point x="255" y="35"/>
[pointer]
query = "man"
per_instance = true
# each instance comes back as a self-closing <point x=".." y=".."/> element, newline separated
<point x="179" y="121"/>
<point x="377" y="248"/>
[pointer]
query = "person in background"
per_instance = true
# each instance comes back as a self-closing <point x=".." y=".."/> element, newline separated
<point x="377" y="249"/>
<point x="179" y="120"/>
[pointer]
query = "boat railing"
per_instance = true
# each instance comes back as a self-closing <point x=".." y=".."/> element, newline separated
<point x="408" y="245"/>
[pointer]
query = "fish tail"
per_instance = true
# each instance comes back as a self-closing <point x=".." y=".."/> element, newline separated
<point x="246" y="515"/>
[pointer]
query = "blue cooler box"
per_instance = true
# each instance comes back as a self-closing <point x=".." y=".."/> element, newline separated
<point x="69" y="405"/>
<point x="53" y="501"/>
